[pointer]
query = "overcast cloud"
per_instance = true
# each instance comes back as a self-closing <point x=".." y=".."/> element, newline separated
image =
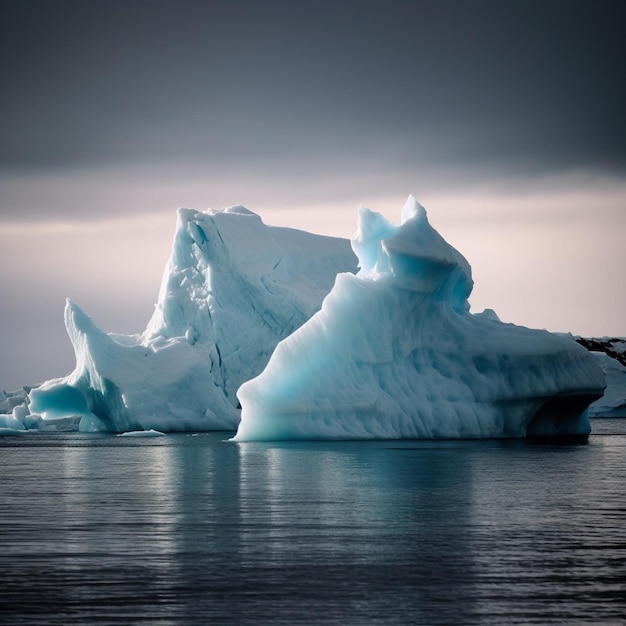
<point x="526" y="87"/>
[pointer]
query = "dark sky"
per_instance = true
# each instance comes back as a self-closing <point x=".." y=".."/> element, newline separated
<point x="516" y="88"/>
<point x="506" y="116"/>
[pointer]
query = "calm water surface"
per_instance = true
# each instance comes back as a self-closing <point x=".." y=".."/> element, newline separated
<point x="193" y="529"/>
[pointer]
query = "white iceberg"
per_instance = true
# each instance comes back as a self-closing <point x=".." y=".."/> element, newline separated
<point x="9" y="424"/>
<point x="233" y="288"/>
<point x="140" y="434"/>
<point x="613" y="402"/>
<point x="395" y="353"/>
<point x="13" y="411"/>
<point x="610" y="353"/>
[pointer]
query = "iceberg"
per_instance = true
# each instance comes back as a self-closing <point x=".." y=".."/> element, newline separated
<point x="233" y="287"/>
<point x="142" y="433"/>
<point x="611" y="355"/>
<point x="394" y="352"/>
<point x="13" y="411"/>
<point x="613" y="402"/>
<point x="9" y="424"/>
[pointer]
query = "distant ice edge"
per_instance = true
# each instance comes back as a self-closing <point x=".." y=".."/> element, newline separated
<point x="392" y="352"/>
<point x="395" y="353"/>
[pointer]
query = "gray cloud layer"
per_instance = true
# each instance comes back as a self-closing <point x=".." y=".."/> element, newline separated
<point x="529" y="86"/>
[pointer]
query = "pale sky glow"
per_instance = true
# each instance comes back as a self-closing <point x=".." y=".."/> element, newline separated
<point x="117" y="113"/>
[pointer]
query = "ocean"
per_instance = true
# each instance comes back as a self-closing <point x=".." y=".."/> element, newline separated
<point x="196" y="529"/>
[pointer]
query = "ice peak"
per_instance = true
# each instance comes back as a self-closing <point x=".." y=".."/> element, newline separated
<point x="372" y="229"/>
<point x="412" y="208"/>
<point x="239" y="209"/>
<point x="413" y="254"/>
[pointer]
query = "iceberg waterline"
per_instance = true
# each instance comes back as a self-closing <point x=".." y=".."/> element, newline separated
<point x="392" y="352"/>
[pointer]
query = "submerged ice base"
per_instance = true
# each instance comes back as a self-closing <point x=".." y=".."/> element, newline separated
<point x="395" y="353"/>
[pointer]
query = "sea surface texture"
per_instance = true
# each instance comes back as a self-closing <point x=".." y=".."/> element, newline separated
<point x="196" y="529"/>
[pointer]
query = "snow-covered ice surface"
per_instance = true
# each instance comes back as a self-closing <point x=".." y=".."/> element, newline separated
<point x="395" y="353"/>
<point x="233" y="287"/>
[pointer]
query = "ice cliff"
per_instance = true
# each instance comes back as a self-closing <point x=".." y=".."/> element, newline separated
<point x="613" y="402"/>
<point x="233" y="287"/>
<point x="610" y="353"/>
<point x="395" y="353"/>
